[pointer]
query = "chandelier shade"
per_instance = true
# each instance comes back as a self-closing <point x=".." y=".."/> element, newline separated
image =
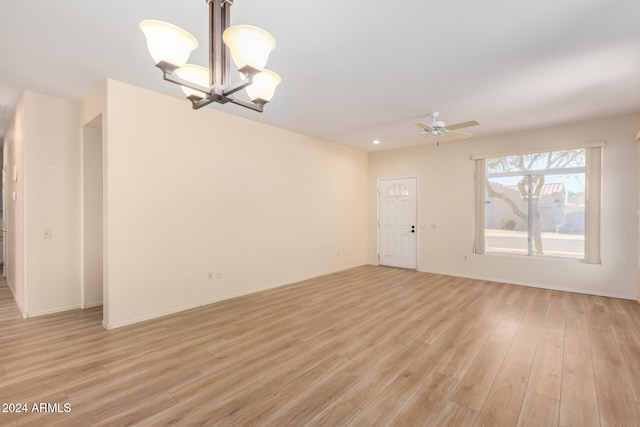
<point x="263" y="86"/>
<point x="167" y="42"/>
<point x="249" y="45"/>
<point x="194" y="74"/>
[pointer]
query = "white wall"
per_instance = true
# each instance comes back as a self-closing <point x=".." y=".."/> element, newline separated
<point x="446" y="195"/>
<point x="42" y="167"/>
<point x="192" y="192"/>
<point x="52" y="202"/>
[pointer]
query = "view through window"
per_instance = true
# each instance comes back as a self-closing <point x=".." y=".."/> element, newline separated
<point x="535" y="204"/>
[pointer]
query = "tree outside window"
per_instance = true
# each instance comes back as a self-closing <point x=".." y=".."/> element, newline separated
<point x="535" y="204"/>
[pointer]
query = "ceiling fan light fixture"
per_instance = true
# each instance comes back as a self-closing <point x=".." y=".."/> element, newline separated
<point x="437" y="128"/>
<point x="167" y="42"/>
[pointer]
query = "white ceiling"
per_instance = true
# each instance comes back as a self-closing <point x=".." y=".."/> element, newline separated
<point x="356" y="70"/>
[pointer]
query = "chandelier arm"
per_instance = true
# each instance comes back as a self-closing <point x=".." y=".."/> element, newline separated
<point x="172" y="78"/>
<point x="166" y="67"/>
<point x="246" y="104"/>
<point x="238" y="86"/>
<point x="197" y="103"/>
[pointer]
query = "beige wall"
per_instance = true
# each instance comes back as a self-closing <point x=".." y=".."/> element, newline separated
<point x="187" y="194"/>
<point x="192" y="192"/>
<point x="446" y="194"/>
<point x="42" y="164"/>
<point x="52" y="202"/>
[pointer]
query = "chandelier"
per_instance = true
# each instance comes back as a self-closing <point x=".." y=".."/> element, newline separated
<point x="249" y="46"/>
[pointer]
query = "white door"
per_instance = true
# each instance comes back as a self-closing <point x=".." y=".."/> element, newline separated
<point x="397" y="222"/>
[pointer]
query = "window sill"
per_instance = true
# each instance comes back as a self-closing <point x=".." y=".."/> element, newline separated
<point x="536" y="257"/>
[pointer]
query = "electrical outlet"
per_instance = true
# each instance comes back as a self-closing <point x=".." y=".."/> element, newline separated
<point x="218" y="274"/>
<point x="210" y="276"/>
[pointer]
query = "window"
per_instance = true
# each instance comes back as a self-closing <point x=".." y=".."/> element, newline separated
<point x="398" y="190"/>
<point x="539" y="204"/>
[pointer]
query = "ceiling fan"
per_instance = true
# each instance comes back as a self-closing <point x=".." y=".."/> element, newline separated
<point x="437" y="128"/>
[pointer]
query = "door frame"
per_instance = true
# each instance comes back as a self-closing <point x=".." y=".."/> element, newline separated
<point x="98" y="123"/>
<point x="417" y="216"/>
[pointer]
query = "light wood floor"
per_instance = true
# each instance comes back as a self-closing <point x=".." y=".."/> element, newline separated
<point x="365" y="347"/>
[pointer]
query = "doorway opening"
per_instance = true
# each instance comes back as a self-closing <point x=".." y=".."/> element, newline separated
<point x="93" y="215"/>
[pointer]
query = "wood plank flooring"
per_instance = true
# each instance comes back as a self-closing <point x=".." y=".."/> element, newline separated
<point x="370" y="346"/>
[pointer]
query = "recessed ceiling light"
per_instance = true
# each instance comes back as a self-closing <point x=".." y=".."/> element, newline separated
<point x="376" y="142"/>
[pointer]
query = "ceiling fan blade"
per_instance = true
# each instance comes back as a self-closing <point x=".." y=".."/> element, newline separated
<point x="459" y="135"/>
<point x="463" y="125"/>
<point x="424" y="126"/>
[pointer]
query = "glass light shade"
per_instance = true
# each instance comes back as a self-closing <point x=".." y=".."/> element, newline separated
<point x="263" y="86"/>
<point x="249" y="45"/>
<point x="195" y="74"/>
<point x="168" y="43"/>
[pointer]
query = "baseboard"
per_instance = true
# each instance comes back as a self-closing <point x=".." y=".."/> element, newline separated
<point x="53" y="310"/>
<point x="93" y="304"/>
<point x="274" y="286"/>
<point x="535" y="285"/>
<point x="110" y="326"/>
<point x="135" y="320"/>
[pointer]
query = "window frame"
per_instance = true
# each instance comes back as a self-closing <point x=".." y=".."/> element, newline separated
<point x="593" y="196"/>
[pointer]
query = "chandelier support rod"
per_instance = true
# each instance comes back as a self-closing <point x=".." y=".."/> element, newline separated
<point x="219" y="20"/>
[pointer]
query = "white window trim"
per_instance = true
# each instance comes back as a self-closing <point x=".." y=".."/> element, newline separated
<point x="593" y="144"/>
<point x="478" y="232"/>
<point x="593" y="195"/>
